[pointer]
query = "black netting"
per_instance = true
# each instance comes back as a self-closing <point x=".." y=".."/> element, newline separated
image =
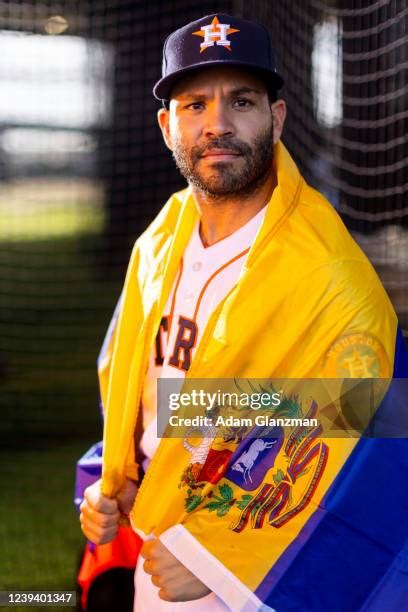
<point x="83" y="167"/>
<point x="345" y="64"/>
<point x="83" y="170"/>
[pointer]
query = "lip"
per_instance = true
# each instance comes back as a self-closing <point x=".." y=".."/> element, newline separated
<point x="220" y="154"/>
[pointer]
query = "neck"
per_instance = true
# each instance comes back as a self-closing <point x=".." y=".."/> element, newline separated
<point x="222" y="216"/>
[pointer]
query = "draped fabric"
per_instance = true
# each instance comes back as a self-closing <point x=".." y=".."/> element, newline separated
<point x="307" y="304"/>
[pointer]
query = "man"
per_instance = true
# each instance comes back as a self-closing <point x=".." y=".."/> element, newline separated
<point x="248" y="273"/>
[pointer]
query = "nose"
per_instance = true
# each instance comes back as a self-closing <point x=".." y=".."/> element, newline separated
<point x="218" y="121"/>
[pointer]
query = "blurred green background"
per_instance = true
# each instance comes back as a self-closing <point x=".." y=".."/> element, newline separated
<point x="55" y="307"/>
<point x="83" y="170"/>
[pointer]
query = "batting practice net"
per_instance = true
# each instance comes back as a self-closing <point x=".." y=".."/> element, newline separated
<point x="83" y="170"/>
<point x="83" y="167"/>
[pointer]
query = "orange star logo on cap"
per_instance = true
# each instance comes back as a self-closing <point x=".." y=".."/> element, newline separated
<point x="215" y="34"/>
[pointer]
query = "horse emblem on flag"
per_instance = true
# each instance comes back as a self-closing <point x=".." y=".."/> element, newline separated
<point x="267" y="481"/>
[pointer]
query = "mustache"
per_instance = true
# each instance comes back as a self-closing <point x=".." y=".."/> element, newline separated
<point x="235" y="146"/>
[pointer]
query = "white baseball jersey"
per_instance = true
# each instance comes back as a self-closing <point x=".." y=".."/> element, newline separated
<point x="206" y="275"/>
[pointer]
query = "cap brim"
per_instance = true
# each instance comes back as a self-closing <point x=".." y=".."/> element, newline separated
<point x="163" y="87"/>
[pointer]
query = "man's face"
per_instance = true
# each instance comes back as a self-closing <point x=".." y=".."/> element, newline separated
<point x="221" y="131"/>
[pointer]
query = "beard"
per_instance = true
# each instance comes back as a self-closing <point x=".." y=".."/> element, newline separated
<point x="224" y="178"/>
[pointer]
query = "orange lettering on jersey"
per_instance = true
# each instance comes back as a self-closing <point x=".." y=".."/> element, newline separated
<point x="163" y="327"/>
<point x="185" y="342"/>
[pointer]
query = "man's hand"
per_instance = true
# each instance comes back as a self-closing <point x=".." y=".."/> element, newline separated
<point x="100" y="515"/>
<point x="174" y="581"/>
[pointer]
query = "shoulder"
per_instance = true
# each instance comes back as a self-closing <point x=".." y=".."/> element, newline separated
<point x="331" y="279"/>
<point x="159" y="232"/>
<point x="326" y="232"/>
<point x="317" y="243"/>
<point x="165" y="222"/>
<point x="152" y="246"/>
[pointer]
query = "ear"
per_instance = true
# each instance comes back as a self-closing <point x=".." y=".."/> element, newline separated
<point x="163" y="117"/>
<point x="279" y="116"/>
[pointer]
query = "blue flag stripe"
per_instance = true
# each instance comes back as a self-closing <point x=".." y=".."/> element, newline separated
<point x="353" y="552"/>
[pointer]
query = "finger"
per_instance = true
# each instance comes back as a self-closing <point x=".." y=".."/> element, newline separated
<point x="165" y="560"/>
<point x="93" y="495"/>
<point x="127" y="495"/>
<point x="149" y="567"/>
<point x="157" y="581"/>
<point x="91" y="527"/>
<point x="98" y="518"/>
<point x="157" y="552"/>
<point x="100" y="538"/>
<point x="99" y="528"/>
<point x="95" y="533"/>
<point x="154" y="568"/>
<point x="148" y="548"/>
<point x="164" y="594"/>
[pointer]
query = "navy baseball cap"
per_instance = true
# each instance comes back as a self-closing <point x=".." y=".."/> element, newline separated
<point x="217" y="40"/>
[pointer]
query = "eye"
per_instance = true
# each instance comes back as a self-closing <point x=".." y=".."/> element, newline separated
<point x="195" y="106"/>
<point x="242" y="103"/>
